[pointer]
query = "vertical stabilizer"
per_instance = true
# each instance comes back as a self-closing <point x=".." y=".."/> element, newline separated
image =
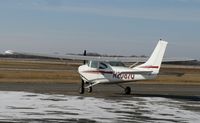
<point x="154" y="62"/>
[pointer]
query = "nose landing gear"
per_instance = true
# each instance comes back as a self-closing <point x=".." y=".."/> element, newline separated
<point x="90" y="90"/>
<point x="82" y="88"/>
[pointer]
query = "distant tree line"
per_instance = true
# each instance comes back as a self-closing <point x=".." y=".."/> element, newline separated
<point x="194" y="62"/>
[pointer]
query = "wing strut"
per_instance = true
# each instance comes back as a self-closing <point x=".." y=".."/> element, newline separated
<point x="91" y="85"/>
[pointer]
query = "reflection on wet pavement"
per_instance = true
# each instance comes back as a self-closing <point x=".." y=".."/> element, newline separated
<point x="27" y="107"/>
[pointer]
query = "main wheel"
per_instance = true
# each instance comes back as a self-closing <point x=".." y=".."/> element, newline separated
<point x="90" y="90"/>
<point x="127" y="90"/>
<point x="82" y="89"/>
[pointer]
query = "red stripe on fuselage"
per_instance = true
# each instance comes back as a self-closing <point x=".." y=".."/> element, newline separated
<point x="149" y="66"/>
<point x="99" y="72"/>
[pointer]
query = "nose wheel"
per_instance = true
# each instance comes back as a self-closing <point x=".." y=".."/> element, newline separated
<point x="90" y="90"/>
<point x="82" y="88"/>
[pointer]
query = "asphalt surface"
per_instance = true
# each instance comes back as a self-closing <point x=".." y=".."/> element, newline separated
<point x="183" y="91"/>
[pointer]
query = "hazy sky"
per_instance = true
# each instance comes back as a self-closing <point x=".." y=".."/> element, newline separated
<point x="120" y="27"/>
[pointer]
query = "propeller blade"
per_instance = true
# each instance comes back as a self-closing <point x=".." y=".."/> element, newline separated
<point x="84" y="54"/>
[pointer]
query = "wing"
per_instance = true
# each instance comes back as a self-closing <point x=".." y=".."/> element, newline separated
<point x="95" y="58"/>
<point x="80" y="57"/>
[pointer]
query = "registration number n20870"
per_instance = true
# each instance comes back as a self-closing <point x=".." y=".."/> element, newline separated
<point x="124" y="75"/>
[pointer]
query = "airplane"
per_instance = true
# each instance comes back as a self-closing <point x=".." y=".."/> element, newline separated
<point x="111" y="70"/>
<point x="97" y="72"/>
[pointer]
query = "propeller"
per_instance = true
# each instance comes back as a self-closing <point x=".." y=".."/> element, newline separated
<point x="82" y="88"/>
<point x="84" y="54"/>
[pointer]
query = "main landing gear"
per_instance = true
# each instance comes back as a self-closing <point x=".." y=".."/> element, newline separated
<point x="127" y="90"/>
<point x="82" y="88"/>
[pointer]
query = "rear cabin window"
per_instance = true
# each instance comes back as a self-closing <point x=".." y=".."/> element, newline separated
<point x="119" y="64"/>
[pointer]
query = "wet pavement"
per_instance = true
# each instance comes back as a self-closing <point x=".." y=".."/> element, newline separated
<point x="21" y="106"/>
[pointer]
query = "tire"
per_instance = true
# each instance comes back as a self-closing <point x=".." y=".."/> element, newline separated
<point x="127" y="90"/>
<point x="90" y="90"/>
<point x="82" y="89"/>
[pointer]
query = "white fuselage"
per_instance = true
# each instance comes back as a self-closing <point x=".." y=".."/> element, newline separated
<point x="112" y="74"/>
<point x="107" y="72"/>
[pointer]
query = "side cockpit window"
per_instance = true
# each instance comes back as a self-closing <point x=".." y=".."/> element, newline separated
<point x="102" y="66"/>
<point x="97" y="64"/>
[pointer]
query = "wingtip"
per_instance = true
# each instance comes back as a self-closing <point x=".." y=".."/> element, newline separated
<point x="161" y="40"/>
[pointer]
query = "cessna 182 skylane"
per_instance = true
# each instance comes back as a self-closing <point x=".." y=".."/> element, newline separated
<point x="110" y="70"/>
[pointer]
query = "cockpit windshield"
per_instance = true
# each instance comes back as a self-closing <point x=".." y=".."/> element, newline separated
<point x="120" y="64"/>
<point x="94" y="64"/>
<point x="97" y="64"/>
